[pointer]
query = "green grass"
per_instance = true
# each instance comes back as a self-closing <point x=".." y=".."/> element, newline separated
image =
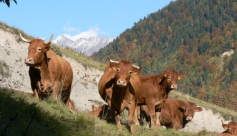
<point x="22" y="114"/>
<point x="87" y="61"/>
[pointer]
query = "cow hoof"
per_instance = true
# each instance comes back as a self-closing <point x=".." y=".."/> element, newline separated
<point x="119" y="127"/>
<point x="137" y="124"/>
<point x="133" y="129"/>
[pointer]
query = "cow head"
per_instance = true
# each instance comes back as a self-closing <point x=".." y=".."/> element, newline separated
<point x="225" y="126"/>
<point x="36" y="50"/>
<point x="230" y="128"/>
<point x="124" y="70"/>
<point x="102" y="111"/>
<point x="96" y="110"/>
<point x="190" y="110"/>
<point x="172" y="76"/>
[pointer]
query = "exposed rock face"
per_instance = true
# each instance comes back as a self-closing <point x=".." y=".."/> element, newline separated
<point x="13" y="53"/>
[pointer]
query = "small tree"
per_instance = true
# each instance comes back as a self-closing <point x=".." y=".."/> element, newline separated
<point x="8" y="2"/>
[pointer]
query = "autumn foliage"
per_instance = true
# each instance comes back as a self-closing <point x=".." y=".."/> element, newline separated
<point x="189" y="36"/>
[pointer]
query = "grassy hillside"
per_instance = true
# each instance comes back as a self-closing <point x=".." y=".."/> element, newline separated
<point x="21" y="114"/>
<point x="189" y="36"/>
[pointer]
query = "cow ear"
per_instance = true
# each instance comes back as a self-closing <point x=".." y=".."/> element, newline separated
<point x="181" y="76"/>
<point x="47" y="47"/>
<point x="225" y="126"/>
<point x="136" y="71"/>
<point x="165" y="73"/>
<point x="93" y="108"/>
<point x="113" y="65"/>
<point x="183" y="108"/>
<point x="198" y="109"/>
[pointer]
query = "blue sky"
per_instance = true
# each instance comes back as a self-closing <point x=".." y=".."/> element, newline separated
<point x="105" y="18"/>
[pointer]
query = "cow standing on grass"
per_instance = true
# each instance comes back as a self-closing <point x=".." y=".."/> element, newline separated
<point x="155" y="90"/>
<point x="49" y="73"/>
<point x="119" y="86"/>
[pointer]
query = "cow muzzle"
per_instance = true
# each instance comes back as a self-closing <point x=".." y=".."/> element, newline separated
<point x="29" y="61"/>
<point x="174" y="87"/>
<point x="189" y="118"/>
<point x="121" y="83"/>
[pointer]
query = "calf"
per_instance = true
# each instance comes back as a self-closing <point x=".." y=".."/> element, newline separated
<point x="155" y="90"/>
<point x="101" y="111"/>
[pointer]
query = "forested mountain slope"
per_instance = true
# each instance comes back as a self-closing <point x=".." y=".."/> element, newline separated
<point x="192" y="37"/>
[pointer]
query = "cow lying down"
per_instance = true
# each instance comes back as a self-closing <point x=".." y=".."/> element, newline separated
<point x="174" y="113"/>
<point x="101" y="111"/>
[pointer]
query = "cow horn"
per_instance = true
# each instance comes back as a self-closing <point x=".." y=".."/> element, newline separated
<point x="113" y="61"/>
<point x="136" y="66"/>
<point x="50" y="40"/>
<point x="23" y="39"/>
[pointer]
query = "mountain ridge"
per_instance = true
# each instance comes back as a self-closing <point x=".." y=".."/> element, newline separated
<point x="85" y="46"/>
<point x="189" y="36"/>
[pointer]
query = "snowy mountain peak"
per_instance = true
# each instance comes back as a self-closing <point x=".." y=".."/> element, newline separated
<point x="85" y="45"/>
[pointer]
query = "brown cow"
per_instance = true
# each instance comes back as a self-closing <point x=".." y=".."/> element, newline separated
<point x="155" y="90"/>
<point x="49" y="73"/>
<point x="101" y="111"/>
<point x="119" y="86"/>
<point x="230" y="128"/>
<point x="174" y="113"/>
<point x="191" y="109"/>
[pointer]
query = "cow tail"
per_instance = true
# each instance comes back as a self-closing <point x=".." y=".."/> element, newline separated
<point x="104" y="108"/>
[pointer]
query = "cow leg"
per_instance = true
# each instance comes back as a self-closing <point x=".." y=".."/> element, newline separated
<point x="36" y="94"/>
<point x="116" y="116"/>
<point x="152" y="115"/>
<point x="56" y="90"/>
<point x="158" y="119"/>
<point x="142" y="116"/>
<point x="177" y="124"/>
<point x="71" y="105"/>
<point x="117" y="119"/>
<point x="136" y="115"/>
<point x="109" y="103"/>
<point x="131" y="122"/>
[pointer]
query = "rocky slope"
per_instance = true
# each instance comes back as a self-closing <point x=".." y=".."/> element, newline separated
<point x="13" y="52"/>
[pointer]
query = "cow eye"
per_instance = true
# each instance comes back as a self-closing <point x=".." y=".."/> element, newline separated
<point x="39" y="49"/>
<point x="118" y="70"/>
<point x="168" y="78"/>
<point x="130" y="72"/>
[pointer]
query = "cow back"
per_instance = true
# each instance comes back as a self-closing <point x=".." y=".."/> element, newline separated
<point x="172" y="113"/>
